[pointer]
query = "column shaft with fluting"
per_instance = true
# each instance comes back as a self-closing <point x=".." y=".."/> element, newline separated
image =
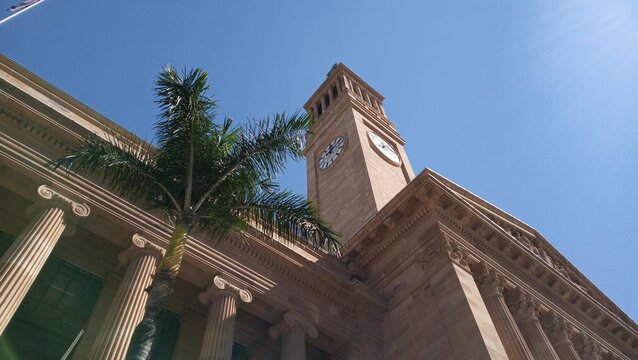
<point x="566" y="351"/>
<point x="220" y="324"/>
<point x="220" y="329"/>
<point x="293" y="329"/>
<point x="491" y="285"/>
<point x="589" y="349"/>
<point x="525" y="310"/>
<point x="293" y="344"/>
<point x="22" y="262"/>
<point x="127" y="308"/>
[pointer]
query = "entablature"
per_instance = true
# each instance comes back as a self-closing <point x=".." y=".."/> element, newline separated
<point x="487" y="241"/>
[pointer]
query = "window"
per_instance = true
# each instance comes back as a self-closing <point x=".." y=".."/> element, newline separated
<point x="54" y="312"/>
<point x="239" y="352"/>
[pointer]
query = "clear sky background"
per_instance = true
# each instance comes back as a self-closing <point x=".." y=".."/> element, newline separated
<point x="532" y="105"/>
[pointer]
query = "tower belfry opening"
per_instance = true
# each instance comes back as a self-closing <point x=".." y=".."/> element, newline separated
<point x="356" y="160"/>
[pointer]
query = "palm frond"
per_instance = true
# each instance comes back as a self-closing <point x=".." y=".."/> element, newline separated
<point x="186" y="128"/>
<point x="290" y="216"/>
<point x="263" y="146"/>
<point x="122" y="163"/>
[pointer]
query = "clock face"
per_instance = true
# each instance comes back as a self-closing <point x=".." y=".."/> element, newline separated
<point x="331" y="152"/>
<point x="386" y="150"/>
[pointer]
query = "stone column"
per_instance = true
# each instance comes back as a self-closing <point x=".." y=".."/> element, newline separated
<point x="526" y="310"/>
<point x="491" y="284"/>
<point x="220" y="325"/>
<point x="560" y="334"/>
<point x="293" y="329"/>
<point x="22" y="262"/>
<point x="589" y="349"/>
<point x="366" y="341"/>
<point x="127" y="308"/>
<point x="457" y="301"/>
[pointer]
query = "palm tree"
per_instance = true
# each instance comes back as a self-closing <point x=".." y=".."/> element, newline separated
<point x="209" y="178"/>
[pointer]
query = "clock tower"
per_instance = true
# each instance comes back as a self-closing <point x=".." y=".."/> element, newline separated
<point x="355" y="157"/>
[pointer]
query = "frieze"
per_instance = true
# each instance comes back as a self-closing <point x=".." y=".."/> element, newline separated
<point x="35" y="130"/>
<point x="383" y="245"/>
<point x="280" y="267"/>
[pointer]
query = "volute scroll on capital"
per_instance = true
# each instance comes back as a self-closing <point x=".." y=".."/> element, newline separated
<point x="222" y="286"/>
<point x="140" y="245"/>
<point x="78" y="209"/>
<point x="291" y="320"/>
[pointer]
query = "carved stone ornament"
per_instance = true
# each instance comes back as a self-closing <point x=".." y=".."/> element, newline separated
<point x="441" y="251"/>
<point x="589" y="349"/>
<point x="292" y="320"/>
<point x="78" y="209"/>
<point x="140" y="245"/>
<point x="524" y="306"/>
<point x="222" y="286"/>
<point x="489" y="280"/>
<point x="559" y="330"/>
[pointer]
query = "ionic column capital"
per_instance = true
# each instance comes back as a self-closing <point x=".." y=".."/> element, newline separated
<point x="292" y="320"/>
<point x="140" y="245"/>
<point x="48" y="194"/>
<point x="221" y="286"/>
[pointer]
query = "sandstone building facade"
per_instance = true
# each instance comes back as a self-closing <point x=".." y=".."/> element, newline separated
<point x="428" y="270"/>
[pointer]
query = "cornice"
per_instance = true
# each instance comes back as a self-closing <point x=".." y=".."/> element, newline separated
<point x="19" y="84"/>
<point x="313" y="279"/>
<point x="343" y="102"/>
<point x="492" y="240"/>
<point x="524" y="235"/>
<point x="339" y="69"/>
<point x="522" y="277"/>
<point x="197" y="253"/>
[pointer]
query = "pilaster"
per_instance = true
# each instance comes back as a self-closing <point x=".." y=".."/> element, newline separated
<point x="560" y="334"/>
<point x="491" y="284"/>
<point x="526" y="310"/>
<point x="460" y="304"/>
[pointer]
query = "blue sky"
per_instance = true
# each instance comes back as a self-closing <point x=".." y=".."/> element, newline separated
<point x="530" y="105"/>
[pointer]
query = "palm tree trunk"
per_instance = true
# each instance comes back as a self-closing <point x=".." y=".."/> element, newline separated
<point x="161" y="287"/>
